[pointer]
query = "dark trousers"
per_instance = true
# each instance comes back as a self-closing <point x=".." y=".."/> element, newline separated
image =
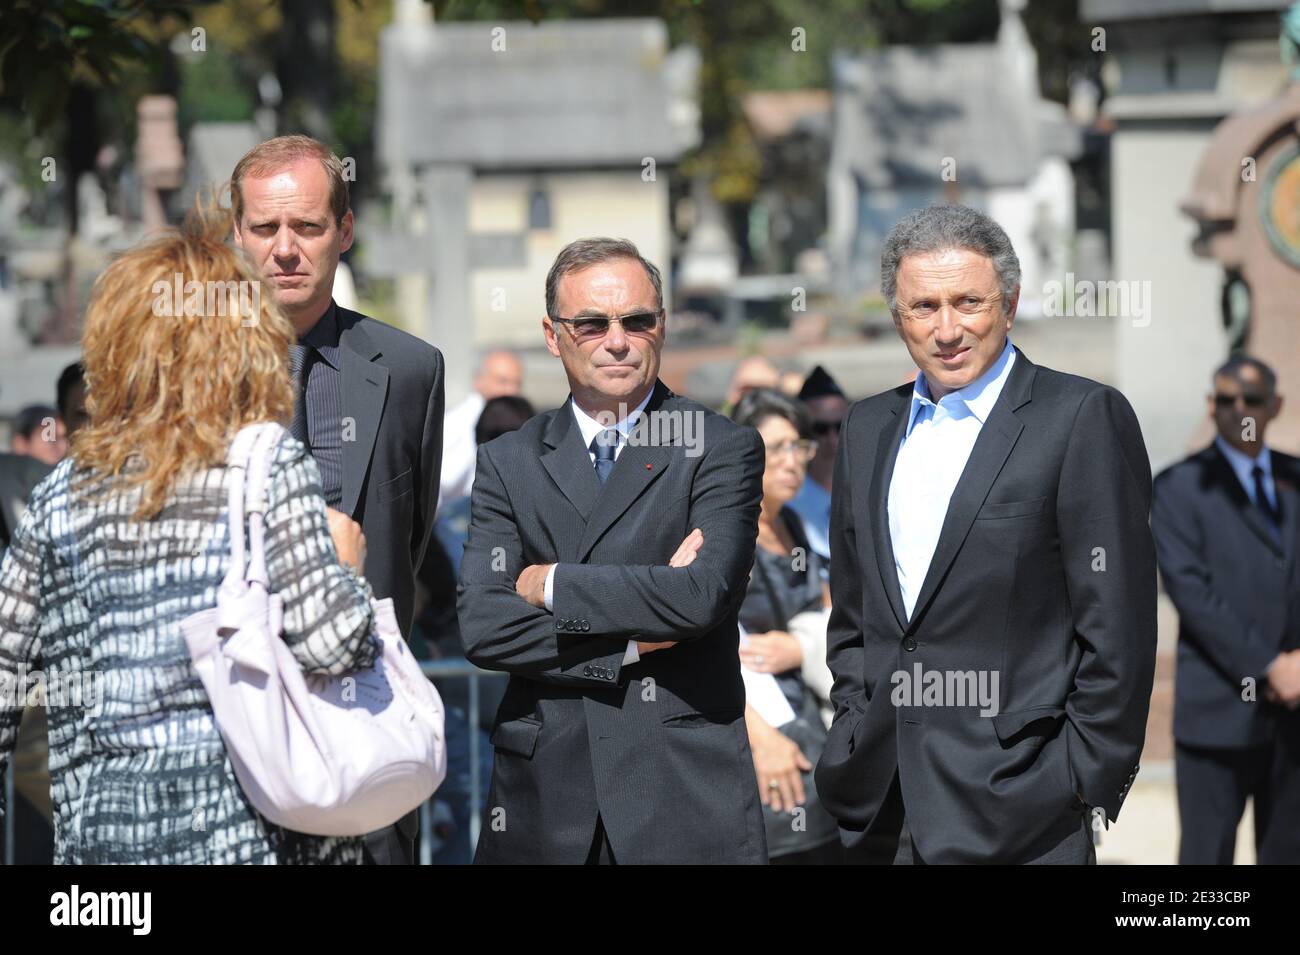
<point x="1213" y="785"/>
<point x="889" y="840"/>
<point x="394" y="845"/>
<point x="601" y="852"/>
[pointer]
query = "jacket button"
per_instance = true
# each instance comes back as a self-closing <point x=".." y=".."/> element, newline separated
<point x="909" y="644"/>
<point x="557" y="625"/>
<point x="586" y="671"/>
<point x="585" y="625"/>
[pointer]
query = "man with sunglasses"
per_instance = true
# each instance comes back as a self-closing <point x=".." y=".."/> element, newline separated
<point x="1226" y="528"/>
<point x="609" y="548"/>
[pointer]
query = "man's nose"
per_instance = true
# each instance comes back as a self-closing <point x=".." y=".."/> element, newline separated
<point x="615" y="338"/>
<point x="286" y="244"/>
<point x="947" y="326"/>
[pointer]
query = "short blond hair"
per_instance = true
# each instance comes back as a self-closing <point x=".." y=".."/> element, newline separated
<point x="274" y="154"/>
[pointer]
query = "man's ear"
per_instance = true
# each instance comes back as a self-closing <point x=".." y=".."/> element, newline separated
<point x="1012" y="303"/>
<point x="346" y="227"/>
<point x="548" y="329"/>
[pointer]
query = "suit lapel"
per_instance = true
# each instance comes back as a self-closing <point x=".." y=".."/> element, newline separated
<point x="639" y="465"/>
<point x="568" y="462"/>
<point x="891" y="435"/>
<point x="992" y="447"/>
<point x="1251" y="514"/>
<point x="365" y="386"/>
<point x="1288" y="499"/>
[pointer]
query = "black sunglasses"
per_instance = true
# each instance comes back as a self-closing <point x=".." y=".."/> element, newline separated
<point x="638" y="323"/>
<point x="1251" y="401"/>
<point x="826" y="427"/>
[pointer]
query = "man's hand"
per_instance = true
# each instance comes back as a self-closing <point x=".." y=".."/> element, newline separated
<point x="683" y="557"/>
<point x="687" y="550"/>
<point x="773" y="652"/>
<point x="349" y="542"/>
<point x="1284" y="680"/>
<point x="531" y="584"/>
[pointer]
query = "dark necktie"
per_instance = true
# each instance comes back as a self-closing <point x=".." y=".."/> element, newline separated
<point x="603" y="446"/>
<point x="298" y="365"/>
<point x="1262" y="501"/>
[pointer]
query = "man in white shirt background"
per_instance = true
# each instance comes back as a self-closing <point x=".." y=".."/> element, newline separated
<point x="501" y="374"/>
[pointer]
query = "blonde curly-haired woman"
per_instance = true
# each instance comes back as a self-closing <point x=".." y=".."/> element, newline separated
<point x="128" y="536"/>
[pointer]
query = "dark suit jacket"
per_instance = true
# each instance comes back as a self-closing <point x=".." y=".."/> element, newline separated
<point x="1231" y="583"/>
<point x="1015" y="587"/>
<point x="19" y="474"/>
<point x="658" y="749"/>
<point x="392" y="457"/>
<point x="393" y="395"/>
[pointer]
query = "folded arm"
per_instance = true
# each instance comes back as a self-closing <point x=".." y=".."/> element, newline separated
<point x="680" y="603"/>
<point x="499" y="629"/>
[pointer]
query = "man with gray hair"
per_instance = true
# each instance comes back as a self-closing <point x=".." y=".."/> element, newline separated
<point x="988" y="527"/>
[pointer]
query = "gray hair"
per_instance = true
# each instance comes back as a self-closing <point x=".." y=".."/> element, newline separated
<point x="940" y="228"/>
<point x="585" y="253"/>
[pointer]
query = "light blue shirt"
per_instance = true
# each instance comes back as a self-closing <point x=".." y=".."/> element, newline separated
<point x="813" y="505"/>
<point x="1243" y="465"/>
<point x="936" y="445"/>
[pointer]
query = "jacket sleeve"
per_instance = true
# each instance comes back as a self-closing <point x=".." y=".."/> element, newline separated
<point x="1236" y="646"/>
<point x="680" y="603"/>
<point x="1103" y="502"/>
<point x="327" y="611"/>
<point x="499" y="629"/>
<point x="20" y="612"/>
<point x="428" y="481"/>
<point x="844" y="633"/>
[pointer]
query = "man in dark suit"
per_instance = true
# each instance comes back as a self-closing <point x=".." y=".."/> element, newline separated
<point x="992" y="632"/>
<point x="370" y="397"/>
<point x="1226" y="526"/>
<point x="609" y="546"/>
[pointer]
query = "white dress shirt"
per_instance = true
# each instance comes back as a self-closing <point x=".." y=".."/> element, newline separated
<point x="459" y="450"/>
<point x="1243" y="465"/>
<point x="936" y="445"/>
<point x="590" y="427"/>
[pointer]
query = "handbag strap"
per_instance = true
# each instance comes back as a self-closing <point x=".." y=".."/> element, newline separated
<point x="250" y="457"/>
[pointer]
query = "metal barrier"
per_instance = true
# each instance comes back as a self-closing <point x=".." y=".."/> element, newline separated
<point x="433" y="669"/>
<point x="457" y="669"/>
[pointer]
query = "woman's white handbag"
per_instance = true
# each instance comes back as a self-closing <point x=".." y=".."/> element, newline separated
<point x="329" y="756"/>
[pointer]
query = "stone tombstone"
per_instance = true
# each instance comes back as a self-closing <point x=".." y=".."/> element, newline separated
<point x="1246" y="201"/>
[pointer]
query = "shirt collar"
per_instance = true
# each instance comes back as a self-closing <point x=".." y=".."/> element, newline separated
<point x="591" y="427"/>
<point x="324" y="336"/>
<point x="977" y="398"/>
<point x="1243" y="464"/>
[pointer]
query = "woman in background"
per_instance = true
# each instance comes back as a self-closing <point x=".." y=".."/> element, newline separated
<point x="786" y="581"/>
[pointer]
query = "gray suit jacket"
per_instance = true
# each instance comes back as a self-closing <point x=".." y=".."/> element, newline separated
<point x="657" y="749"/>
<point x="392" y="457"/>
<point x="392" y="450"/>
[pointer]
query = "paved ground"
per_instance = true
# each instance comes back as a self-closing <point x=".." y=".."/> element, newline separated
<point x="1147" y="830"/>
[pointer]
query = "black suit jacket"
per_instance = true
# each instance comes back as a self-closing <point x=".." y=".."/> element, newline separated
<point x="1231" y="582"/>
<point x="19" y="474"/>
<point x="1057" y="482"/>
<point x="392" y="456"/>
<point x="658" y="749"/>
<point x="392" y="450"/>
